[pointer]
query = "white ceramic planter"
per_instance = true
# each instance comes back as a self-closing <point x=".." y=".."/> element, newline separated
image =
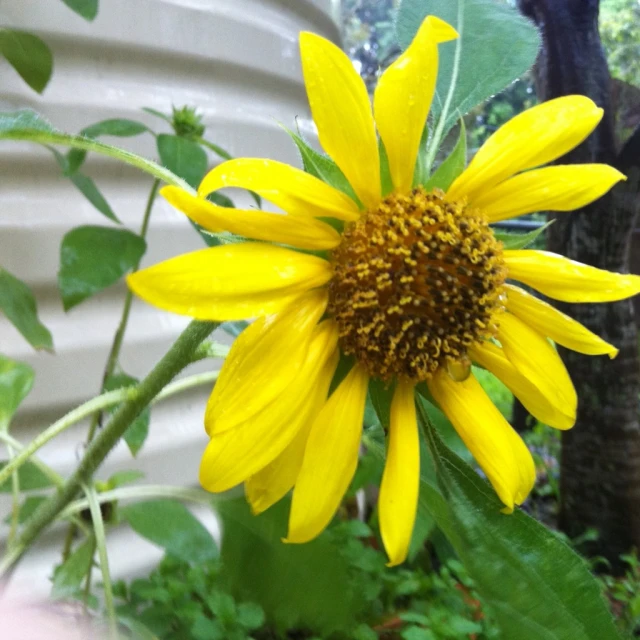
<point x="237" y="61"/>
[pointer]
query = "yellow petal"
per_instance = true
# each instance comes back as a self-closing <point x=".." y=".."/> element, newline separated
<point x="534" y="357"/>
<point x="548" y="410"/>
<point x="298" y="231"/>
<point x="533" y="138"/>
<point x="497" y="448"/>
<point x="263" y="362"/>
<point x="341" y="110"/>
<point x="230" y="282"/>
<point x="403" y="99"/>
<point x="399" y="489"/>
<point x="294" y="191"/>
<point x="236" y="454"/>
<point x="330" y="458"/>
<point x="568" y="280"/>
<point x="557" y="188"/>
<point x="274" y="481"/>
<point x="550" y="322"/>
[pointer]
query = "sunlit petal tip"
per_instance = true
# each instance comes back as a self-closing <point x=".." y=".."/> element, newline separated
<point x="330" y="458"/>
<point x="497" y="448"/>
<point x="341" y="110"/>
<point x="403" y="97"/>
<point x="554" y="188"/>
<point x="535" y="358"/>
<point x="398" y="501"/>
<point x="441" y="31"/>
<point x="567" y="280"/>
<point x="531" y="139"/>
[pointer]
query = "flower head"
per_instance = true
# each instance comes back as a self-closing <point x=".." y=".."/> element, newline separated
<point x="415" y="288"/>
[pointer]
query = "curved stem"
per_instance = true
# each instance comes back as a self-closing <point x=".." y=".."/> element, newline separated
<point x="116" y="345"/>
<point x="84" y="410"/>
<point x="187" y="494"/>
<point x="42" y="136"/>
<point x="15" y="499"/>
<point x="178" y="357"/>
<point x="79" y="413"/>
<point x="101" y="544"/>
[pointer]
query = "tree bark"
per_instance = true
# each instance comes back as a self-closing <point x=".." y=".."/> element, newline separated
<point x="600" y="463"/>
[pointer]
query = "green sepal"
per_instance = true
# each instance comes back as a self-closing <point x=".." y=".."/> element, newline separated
<point x="512" y="241"/>
<point x="452" y="166"/>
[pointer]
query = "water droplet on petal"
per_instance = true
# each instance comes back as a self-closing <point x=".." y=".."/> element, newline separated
<point x="459" y="370"/>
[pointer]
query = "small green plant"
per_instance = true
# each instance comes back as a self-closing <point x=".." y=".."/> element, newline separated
<point x="624" y="594"/>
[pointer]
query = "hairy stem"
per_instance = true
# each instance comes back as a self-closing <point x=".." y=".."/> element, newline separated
<point x="88" y="408"/>
<point x="116" y="345"/>
<point x="179" y="356"/>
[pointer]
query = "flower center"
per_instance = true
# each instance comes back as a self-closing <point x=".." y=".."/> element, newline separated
<point x="416" y="282"/>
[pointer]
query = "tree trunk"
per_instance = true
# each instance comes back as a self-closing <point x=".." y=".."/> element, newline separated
<point x="600" y="464"/>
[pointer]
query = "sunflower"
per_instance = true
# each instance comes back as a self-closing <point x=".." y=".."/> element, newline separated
<point x="413" y="285"/>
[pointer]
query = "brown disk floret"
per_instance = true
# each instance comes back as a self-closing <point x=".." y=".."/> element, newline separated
<point x="417" y="280"/>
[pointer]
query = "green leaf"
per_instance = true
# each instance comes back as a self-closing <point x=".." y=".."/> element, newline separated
<point x="120" y="478"/>
<point x="119" y="127"/>
<point x="497" y="46"/>
<point x="381" y="394"/>
<point x="30" y="477"/>
<point x="88" y="9"/>
<point x="385" y="173"/>
<point x="537" y="587"/>
<point x="321" y="166"/>
<point x="158" y="114"/>
<point x="68" y="577"/>
<point x="173" y="527"/>
<point x="16" y="380"/>
<point x="138" y="430"/>
<point x="219" y="151"/>
<point x="250" y="615"/>
<point x="297" y="586"/>
<point x="19" y="305"/>
<point x="421" y="170"/>
<point x="205" y="629"/>
<point x="28" y="125"/>
<point x="452" y="166"/>
<point x="85" y="185"/>
<point x="417" y="633"/>
<point x="12" y="122"/>
<point x="27" y="508"/>
<point x="93" y="258"/>
<point x="88" y="189"/>
<point x="183" y="157"/>
<point x="520" y="240"/>
<point x="423" y="527"/>
<point x="28" y="55"/>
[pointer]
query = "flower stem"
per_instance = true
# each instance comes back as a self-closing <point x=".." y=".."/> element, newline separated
<point x="15" y="500"/>
<point x="178" y="357"/>
<point x="186" y="494"/>
<point x="116" y="345"/>
<point x="101" y="544"/>
<point x="88" y="408"/>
